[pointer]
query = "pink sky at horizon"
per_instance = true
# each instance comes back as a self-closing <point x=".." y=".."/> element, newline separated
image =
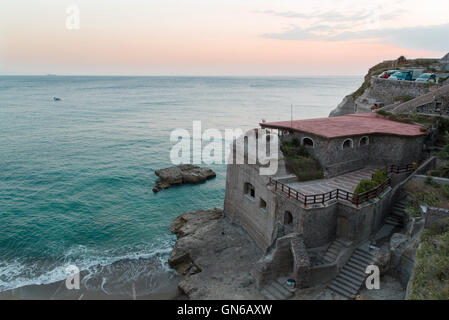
<point x="260" y="38"/>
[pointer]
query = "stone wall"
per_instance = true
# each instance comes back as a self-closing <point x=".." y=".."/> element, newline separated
<point x="357" y="225"/>
<point x="245" y="210"/>
<point x="381" y="150"/>
<point x="384" y="90"/>
<point x="380" y="90"/>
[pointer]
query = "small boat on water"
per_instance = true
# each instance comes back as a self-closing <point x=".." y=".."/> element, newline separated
<point x="56" y="99"/>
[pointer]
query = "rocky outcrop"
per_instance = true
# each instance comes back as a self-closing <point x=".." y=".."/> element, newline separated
<point x="345" y="107"/>
<point x="184" y="173"/>
<point x="214" y="257"/>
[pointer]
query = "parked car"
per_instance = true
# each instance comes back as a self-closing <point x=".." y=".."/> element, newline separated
<point x="387" y="74"/>
<point x="427" y="77"/>
<point x="402" y="75"/>
<point x="377" y="106"/>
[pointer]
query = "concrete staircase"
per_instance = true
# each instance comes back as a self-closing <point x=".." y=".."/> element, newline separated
<point x="275" y="290"/>
<point x="396" y="217"/>
<point x="333" y="251"/>
<point x="352" y="276"/>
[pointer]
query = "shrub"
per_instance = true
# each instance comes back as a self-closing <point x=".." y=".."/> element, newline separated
<point x="383" y="112"/>
<point x="412" y="210"/>
<point x="300" y="162"/>
<point x="365" y="185"/>
<point x="431" y="272"/>
<point x="380" y="176"/>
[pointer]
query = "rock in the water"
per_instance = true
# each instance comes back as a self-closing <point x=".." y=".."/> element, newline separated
<point x="184" y="173"/>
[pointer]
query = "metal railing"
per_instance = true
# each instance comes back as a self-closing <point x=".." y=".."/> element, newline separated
<point x="340" y="194"/>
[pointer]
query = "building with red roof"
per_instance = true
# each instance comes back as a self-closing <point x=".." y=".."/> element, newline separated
<point x="350" y="142"/>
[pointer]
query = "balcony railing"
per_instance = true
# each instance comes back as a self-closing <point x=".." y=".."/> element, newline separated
<point x="340" y="194"/>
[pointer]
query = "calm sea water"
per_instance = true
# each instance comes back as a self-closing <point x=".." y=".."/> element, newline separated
<point x="76" y="175"/>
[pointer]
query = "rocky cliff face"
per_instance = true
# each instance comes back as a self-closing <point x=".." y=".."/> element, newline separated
<point x="384" y="91"/>
<point x="214" y="257"/>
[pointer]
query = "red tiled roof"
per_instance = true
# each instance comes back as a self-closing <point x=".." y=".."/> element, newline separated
<point x="349" y="125"/>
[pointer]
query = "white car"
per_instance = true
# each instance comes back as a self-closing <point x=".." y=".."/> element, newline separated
<point x="427" y="77"/>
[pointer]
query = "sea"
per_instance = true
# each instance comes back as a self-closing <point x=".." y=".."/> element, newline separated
<point x="76" y="174"/>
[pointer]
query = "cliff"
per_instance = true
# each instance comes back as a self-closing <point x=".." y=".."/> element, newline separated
<point x="386" y="91"/>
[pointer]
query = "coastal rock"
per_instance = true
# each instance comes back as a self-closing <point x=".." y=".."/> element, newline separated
<point x="214" y="257"/>
<point x="346" y="106"/>
<point x="184" y="173"/>
<point x="382" y="259"/>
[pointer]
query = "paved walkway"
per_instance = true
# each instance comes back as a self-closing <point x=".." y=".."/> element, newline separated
<point x="347" y="181"/>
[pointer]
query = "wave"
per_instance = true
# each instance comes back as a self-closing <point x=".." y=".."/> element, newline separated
<point x="92" y="263"/>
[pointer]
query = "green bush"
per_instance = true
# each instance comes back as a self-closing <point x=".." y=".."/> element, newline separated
<point x="431" y="271"/>
<point x="412" y="210"/>
<point x="300" y="162"/>
<point x="383" y="112"/>
<point x="365" y="185"/>
<point x="378" y="178"/>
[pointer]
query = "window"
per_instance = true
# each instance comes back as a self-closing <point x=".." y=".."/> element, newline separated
<point x="347" y="144"/>
<point x="288" y="218"/>
<point x="249" y="190"/>
<point x="308" y="142"/>
<point x="364" y="141"/>
<point x="262" y="204"/>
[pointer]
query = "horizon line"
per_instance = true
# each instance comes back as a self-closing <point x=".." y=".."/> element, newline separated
<point x="174" y="75"/>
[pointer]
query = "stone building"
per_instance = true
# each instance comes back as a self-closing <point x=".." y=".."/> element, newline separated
<point x="299" y="225"/>
<point x="351" y="142"/>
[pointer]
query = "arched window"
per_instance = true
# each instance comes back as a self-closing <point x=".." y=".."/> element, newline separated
<point x="249" y="190"/>
<point x="308" y="142"/>
<point x="364" y="141"/>
<point x="288" y="218"/>
<point x="347" y="144"/>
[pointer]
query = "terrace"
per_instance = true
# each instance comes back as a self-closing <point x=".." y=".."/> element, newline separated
<point x="319" y="192"/>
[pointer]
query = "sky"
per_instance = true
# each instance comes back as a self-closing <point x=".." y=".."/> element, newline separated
<point x="211" y="37"/>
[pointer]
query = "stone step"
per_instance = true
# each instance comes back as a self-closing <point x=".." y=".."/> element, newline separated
<point x="273" y="291"/>
<point x="393" y="223"/>
<point x="363" y="251"/>
<point x="348" y="278"/>
<point x="356" y="266"/>
<point x="331" y="256"/>
<point x="350" y="286"/>
<point x="341" y="291"/>
<point x="354" y="278"/>
<point x="334" y="251"/>
<point x="283" y="290"/>
<point x="339" y="242"/>
<point x="361" y="265"/>
<point x="364" y="261"/>
<point x="328" y="259"/>
<point x="356" y="270"/>
<point x="267" y="295"/>
<point x="364" y="254"/>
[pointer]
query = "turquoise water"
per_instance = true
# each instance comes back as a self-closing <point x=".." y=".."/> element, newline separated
<point x="76" y="175"/>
